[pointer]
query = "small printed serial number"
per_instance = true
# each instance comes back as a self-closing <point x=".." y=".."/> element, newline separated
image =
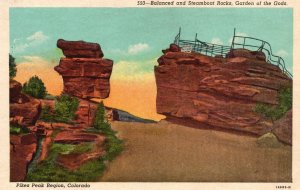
<point x="141" y="3"/>
<point x="283" y="187"/>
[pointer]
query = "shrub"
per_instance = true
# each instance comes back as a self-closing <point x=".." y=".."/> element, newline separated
<point x="12" y="67"/>
<point x="99" y="120"/>
<point x="35" y="87"/>
<point x="64" y="110"/>
<point x="49" y="170"/>
<point x="17" y="129"/>
<point x="65" y="107"/>
<point x="285" y="102"/>
<point x="113" y="145"/>
<point x="47" y="114"/>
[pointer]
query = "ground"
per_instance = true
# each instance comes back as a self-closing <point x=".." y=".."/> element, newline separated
<point x="163" y="151"/>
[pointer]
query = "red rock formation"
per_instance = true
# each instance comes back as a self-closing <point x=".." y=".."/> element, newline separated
<point x="73" y="161"/>
<point x="218" y="92"/>
<point x="84" y="75"/>
<point x="80" y="49"/>
<point x="24" y="109"/>
<point x="75" y="137"/>
<point x="283" y="128"/>
<point x="247" y="54"/>
<point x="22" y="151"/>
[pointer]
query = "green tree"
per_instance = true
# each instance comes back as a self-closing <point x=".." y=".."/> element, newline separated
<point x="12" y="67"/>
<point x="99" y="120"/>
<point x="285" y="103"/>
<point x="65" y="107"/>
<point x="35" y="87"/>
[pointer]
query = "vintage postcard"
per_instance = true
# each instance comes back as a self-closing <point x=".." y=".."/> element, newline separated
<point x="134" y="94"/>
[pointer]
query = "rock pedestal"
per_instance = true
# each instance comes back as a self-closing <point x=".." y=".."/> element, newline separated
<point x="85" y="73"/>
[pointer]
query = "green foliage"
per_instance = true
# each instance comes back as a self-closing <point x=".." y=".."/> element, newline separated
<point x="99" y="120"/>
<point x="285" y="100"/>
<point x="64" y="110"/>
<point x="49" y="170"/>
<point x="46" y="114"/>
<point x="113" y="144"/>
<point x="62" y="148"/>
<point x="49" y="97"/>
<point x="113" y="147"/>
<point x="12" y="67"/>
<point x="82" y="148"/>
<point x="35" y="87"/>
<point x="17" y="129"/>
<point x="73" y="148"/>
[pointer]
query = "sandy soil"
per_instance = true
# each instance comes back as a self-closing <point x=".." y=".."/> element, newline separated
<point x="169" y="152"/>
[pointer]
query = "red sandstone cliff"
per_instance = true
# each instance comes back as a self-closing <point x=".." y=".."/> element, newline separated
<point x="85" y="73"/>
<point x="218" y="92"/>
<point x="24" y="111"/>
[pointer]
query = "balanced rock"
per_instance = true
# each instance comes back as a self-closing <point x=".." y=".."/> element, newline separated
<point x="84" y="76"/>
<point x="80" y="49"/>
<point x="217" y="92"/>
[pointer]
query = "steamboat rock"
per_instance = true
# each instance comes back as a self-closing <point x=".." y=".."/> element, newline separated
<point x="218" y="92"/>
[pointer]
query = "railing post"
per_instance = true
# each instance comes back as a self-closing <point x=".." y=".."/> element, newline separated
<point x="179" y="34"/>
<point x="222" y="50"/>
<point x="195" y="42"/>
<point x="233" y="38"/>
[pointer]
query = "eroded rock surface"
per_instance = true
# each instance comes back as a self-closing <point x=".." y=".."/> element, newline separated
<point x="85" y="73"/>
<point x="81" y="49"/>
<point x="24" y="110"/>
<point x="283" y="128"/>
<point x="22" y="150"/>
<point x="218" y="92"/>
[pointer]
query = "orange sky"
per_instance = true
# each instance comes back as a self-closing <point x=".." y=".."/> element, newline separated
<point x="137" y="94"/>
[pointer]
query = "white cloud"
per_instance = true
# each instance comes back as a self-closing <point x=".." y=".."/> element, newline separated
<point x="34" y="62"/>
<point x="132" y="49"/>
<point x="20" y="47"/>
<point x="37" y="38"/>
<point x="137" y="48"/>
<point x="134" y="70"/>
<point x="217" y="41"/>
<point x="282" y="53"/>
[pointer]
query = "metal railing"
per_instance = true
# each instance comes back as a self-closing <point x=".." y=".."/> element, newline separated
<point x="237" y="42"/>
<point x="201" y="47"/>
<point x="263" y="46"/>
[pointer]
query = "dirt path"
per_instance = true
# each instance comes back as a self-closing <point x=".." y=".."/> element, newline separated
<point x="169" y="152"/>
